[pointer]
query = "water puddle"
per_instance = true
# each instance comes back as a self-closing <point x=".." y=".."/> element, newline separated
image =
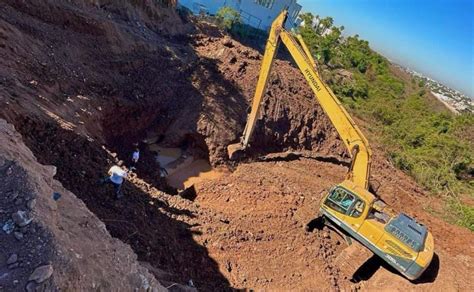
<point x="197" y="171"/>
<point x="183" y="171"/>
<point x="165" y="155"/>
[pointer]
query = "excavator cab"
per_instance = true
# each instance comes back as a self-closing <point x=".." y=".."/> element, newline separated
<point x="350" y="207"/>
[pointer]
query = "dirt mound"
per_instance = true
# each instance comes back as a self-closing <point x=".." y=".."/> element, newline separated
<point x="79" y="64"/>
<point x="56" y="242"/>
<point x="290" y="118"/>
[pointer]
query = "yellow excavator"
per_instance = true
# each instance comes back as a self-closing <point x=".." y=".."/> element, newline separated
<point x="349" y="207"/>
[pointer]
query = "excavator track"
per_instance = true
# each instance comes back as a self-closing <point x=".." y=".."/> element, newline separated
<point x="352" y="258"/>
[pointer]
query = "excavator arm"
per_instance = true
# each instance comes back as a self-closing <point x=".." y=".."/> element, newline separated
<point x="350" y="134"/>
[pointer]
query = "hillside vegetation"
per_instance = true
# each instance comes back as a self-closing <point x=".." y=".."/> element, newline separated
<point x="426" y="141"/>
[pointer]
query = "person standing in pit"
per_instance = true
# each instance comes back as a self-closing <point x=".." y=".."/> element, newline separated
<point x="116" y="178"/>
<point x="135" y="157"/>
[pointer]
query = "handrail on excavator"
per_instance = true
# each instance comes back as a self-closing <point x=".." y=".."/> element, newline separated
<point x="354" y="140"/>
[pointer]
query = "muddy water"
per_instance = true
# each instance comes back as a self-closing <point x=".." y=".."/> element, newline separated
<point x="197" y="171"/>
<point x="166" y="155"/>
<point x="184" y="171"/>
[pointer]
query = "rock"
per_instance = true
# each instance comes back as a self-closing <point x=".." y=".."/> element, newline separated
<point x="228" y="42"/>
<point x="31" y="287"/>
<point x="18" y="201"/>
<point x="18" y="235"/>
<point x="21" y="218"/>
<point x="8" y="226"/>
<point x="14" y="195"/>
<point x="41" y="274"/>
<point x="12" y="259"/>
<point x="224" y="220"/>
<point x="13" y="266"/>
<point x="15" y="282"/>
<point x="326" y="234"/>
<point x="54" y="170"/>
<point x="56" y="196"/>
<point x="31" y="204"/>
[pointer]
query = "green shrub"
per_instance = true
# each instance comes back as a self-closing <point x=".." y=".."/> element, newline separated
<point x="228" y="17"/>
<point x="464" y="214"/>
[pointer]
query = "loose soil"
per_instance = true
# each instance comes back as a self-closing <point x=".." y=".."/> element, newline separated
<point x="82" y="82"/>
<point x="60" y="236"/>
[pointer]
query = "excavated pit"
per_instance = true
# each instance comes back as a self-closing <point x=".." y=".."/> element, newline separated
<point x="83" y="128"/>
<point x="143" y="218"/>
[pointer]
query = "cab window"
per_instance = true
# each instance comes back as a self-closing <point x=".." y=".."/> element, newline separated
<point x="345" y="202"/>
<point x="358" y="209"/>
<point x="340" y="200"/>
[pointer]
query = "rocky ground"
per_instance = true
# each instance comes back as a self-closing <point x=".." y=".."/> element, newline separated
<point x="82" y="81"/>
<point x="50" y="240"/>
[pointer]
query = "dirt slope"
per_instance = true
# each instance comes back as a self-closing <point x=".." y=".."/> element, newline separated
<point x="290" y="117"/>
<point x="111" y="77"/>
<point x="63" y="233"/>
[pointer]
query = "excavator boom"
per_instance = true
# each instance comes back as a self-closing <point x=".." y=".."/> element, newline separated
<point x="350" y="134"/>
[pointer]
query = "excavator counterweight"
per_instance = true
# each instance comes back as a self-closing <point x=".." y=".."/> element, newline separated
<point x="402" y="242"/>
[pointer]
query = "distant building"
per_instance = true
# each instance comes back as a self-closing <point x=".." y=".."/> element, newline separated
<point x="256" y="13"/>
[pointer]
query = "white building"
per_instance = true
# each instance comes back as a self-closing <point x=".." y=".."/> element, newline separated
<point x="257" y="13"/>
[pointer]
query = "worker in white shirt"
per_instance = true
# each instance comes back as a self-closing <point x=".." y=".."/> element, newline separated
<point x="135" y="157"/>
<point x="116" y="178"/>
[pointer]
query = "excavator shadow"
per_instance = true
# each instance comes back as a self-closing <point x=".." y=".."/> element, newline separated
<point x="371" y="266"/>
<point x="316" y="223"/>
<point x="368" y="269"/>
<point x="292" y="156"/>
<point x="431" y="273"/>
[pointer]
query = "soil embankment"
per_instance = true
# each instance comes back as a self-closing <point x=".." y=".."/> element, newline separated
<point x="50" y="240"/>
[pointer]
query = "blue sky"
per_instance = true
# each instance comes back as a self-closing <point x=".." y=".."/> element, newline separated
<point x="433" y="37"/>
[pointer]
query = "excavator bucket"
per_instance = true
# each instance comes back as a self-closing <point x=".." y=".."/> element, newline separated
<point x="235" y="151"/>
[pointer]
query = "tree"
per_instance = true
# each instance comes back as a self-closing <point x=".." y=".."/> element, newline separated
<point x="307" y="19"/>
<point x="324" y="25"/>
<point x="227" y="17"/>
